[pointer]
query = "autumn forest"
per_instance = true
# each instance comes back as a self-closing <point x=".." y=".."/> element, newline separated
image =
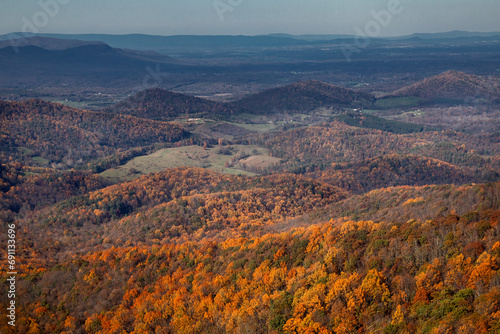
<point x="307" y="207"/>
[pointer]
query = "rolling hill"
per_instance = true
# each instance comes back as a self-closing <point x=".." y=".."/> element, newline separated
<point x="186" y="200"/>
<point x="393" y="170"/>
<point x="55" y="132"/>
<point x="303" y="97"/>
<point x="319" y="147"/>
<point x="417" y="202"/>
<point x="160" y="104"/>
<point x="453" y="85"/>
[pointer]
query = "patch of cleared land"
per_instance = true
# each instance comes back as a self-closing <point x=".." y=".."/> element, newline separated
<point x="213" y="158"/>
<point x="37" y="159"/>
<point x="263" y="127"/>
<point x="41" y="161"/>
<point x="259" y="161"/>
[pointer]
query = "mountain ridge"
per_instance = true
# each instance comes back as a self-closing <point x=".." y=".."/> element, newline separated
<point x="46" y="43"/>
<point x="148" y="41"/>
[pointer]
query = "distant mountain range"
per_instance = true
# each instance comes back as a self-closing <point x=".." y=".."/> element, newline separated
<point x="156" y="42"/>
<point x="450" y="34"/>
<point x="127" y="61"/>
<point x="41" y="60"/>
<point x="46" y="43"/>
<point x="443" y="35"/>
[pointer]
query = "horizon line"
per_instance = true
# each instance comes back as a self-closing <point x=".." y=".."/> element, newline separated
<point x="249" y="35"/>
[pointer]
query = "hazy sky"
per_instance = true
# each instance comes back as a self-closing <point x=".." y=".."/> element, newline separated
<point x="248" y="17"/>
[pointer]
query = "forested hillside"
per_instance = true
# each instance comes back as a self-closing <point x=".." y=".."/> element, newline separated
<point x="57" y="133"/>
<point x="327" y="144"/>
<point x="303" y="97"/>
<point x="322" y="220"/>
<point x="340" y="276"/>
<point x="160" y="104"/>
<point x="393" y="170"/>
<point x="454" y="85"/>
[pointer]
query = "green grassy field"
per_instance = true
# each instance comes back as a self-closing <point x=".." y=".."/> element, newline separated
<point x="370" y="111"/>
<point x="260" y="161"/>
<point x="41" y="161"/>
<point x="191" y="156"/>
<point x="256" y="127"/>
<point x="37" y="159"/>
